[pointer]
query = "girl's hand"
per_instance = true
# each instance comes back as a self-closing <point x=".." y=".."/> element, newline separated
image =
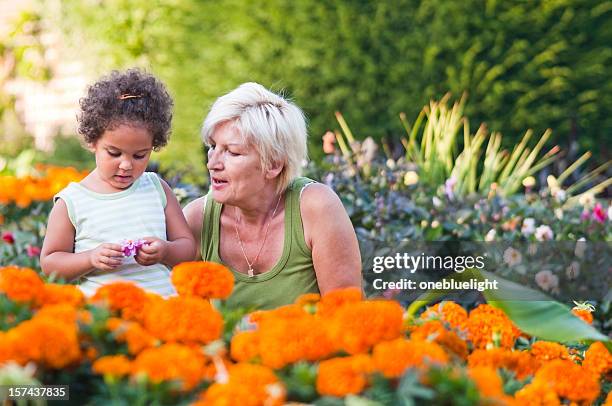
<point x="106" y="256"/>
<point x="153" y="252"/>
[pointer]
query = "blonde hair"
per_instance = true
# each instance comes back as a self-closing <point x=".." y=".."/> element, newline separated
<point x="275" y="126"/>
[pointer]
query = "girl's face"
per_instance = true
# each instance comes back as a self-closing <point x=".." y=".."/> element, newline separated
<point x="122" y="155"/>
<point x="234" y="165"/>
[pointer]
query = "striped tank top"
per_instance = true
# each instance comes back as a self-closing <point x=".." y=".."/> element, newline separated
<point x="131" y="214"/>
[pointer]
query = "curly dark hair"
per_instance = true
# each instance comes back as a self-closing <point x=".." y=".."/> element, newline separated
<point x="132" y="97"/>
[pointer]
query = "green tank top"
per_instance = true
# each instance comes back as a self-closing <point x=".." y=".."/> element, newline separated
<point x="293" y="274"/>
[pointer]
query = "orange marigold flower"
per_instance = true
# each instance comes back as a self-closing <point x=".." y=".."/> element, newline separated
<point x="219" y="394"/>
<point x="569" y="380"/>
<point x="61" y="313"/>
<point x="547" y="351"/>
<point x="252" y="375"/>
<point x="522" y="363"/>
<point x="536" y="395"/>
<point x="598" y="359"/>
<point x="43" y="186"/>
<point x="204" y="279"/>
<point x="6" y="350"/>
<point x="171" y="362"/>
<point x="55" y="293"/>
<point x="357" y="327"/>
<point x="185" y="319"/>
<point x="21" y="285"/>
<point x="90" y="354"/>
<point x="248" y="384"/>
<point x="447" y="311"/>
<point x="245" y="346"/>
<point x="124" y="297"/>
<point x="392" y="358"/>
<point x="132" y="333"/>
<point x="608" y="401"/>
<point x="584" y="314"/>
<point x="44" y="341"/>
<point x="343" y="375"/>
<point x="284" y="312"/>
<point x="335" y="299"/>
<point x="305" y="337"/>
<point x="488" y="382"/>
<point x="114" y="365"/>
<point x="488" y="326"/>
<point x="435" y="331"/>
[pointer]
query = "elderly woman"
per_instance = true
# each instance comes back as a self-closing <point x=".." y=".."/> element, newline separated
<point x="282" y="235"/>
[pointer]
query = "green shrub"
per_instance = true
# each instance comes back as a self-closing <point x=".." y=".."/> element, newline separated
<point x="524" y="64"/>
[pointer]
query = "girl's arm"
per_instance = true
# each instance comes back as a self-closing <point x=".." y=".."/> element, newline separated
<point x="57" y="256"/>
<point x="330" y="235"/>
<point x="180" y="246"/>
<point x="194" y="213"/>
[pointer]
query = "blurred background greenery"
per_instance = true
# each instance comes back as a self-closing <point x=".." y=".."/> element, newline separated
<point x="536" y="64"/>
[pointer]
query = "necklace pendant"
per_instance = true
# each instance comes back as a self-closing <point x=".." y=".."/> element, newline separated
<point x="251" y="272"/>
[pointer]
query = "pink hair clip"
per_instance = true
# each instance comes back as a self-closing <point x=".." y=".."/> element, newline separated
<point x="129" y="96"/>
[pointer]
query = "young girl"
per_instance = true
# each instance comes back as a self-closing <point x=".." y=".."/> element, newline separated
<point x="118" y="205"/>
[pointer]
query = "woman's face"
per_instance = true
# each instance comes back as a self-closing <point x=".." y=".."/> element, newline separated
<point x="234" y="165"/>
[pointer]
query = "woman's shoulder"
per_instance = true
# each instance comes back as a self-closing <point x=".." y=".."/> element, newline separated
<point x="316" y="192"/>
<point x="318" y="199"/>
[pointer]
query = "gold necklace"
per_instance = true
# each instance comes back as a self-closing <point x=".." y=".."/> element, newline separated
<point x="251" y="271"/>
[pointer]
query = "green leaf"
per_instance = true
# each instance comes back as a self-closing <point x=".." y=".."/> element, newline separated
<point x="545" y="319"/>
<point x="352" y="400"/>
<point x="411" y="391"/>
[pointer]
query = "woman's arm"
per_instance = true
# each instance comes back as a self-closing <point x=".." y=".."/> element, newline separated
<point x="330" y="235"/>
<point x="57" y="256"/>
<point x="180" y="246"/>
<point x="194" y="213"/>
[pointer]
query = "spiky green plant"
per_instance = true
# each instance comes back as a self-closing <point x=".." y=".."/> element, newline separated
<point x="433" y="144"/>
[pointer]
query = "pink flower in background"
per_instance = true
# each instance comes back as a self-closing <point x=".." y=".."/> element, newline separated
<point x="547" y="280"/>
<point x="391" y="293"/>
<point x="32" y="251"/>
<point x="598" y="214"/>
<point x="329" y="139"/>
<point x="528" y="226"/>
<point x="8" y="237"/>
<point x="130" y="247"/>
<point x="585" y="215"/>
<point x="544" y="233"/>
<point x="449" y="187"/>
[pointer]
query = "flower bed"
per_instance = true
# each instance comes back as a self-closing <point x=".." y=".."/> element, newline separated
<point x="25" y="202"/>
<point x="127" y="345"/>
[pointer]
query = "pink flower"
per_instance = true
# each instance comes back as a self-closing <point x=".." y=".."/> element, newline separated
<point x="8" y="237"/>
<point x="391" y="293"/>
<point x="547" y="280"/>
<point x="130" y="247"/>
<point x="329" y="139"/>
<point x="33" y="251"/>
<point x="585" y="215"/>
<point x="544" y="233"/>
<point x="449" y="187"/>
<point x="598" y="214"/>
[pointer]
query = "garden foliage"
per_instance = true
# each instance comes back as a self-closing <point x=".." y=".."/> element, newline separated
<point x="536" y="64"/>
